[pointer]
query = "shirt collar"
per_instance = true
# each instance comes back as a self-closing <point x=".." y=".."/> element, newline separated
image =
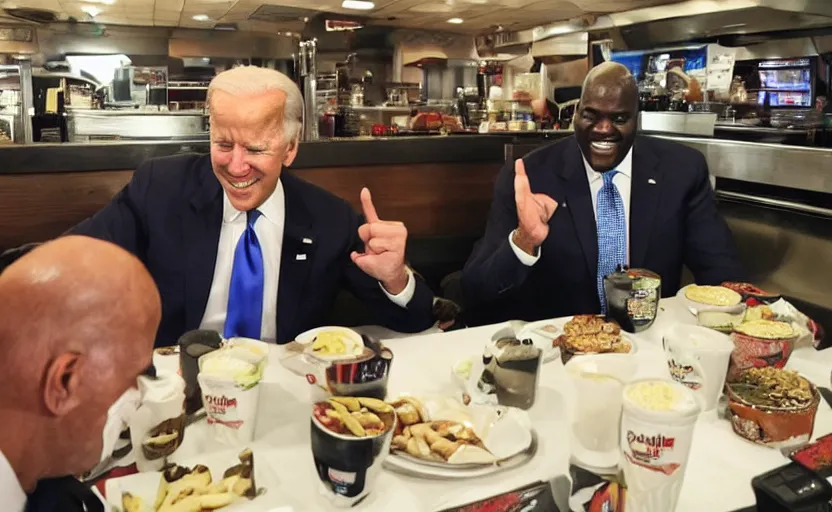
<point x="272" y="209"/>
<point x="625" y="167"/>
<point x="10" y="488"/>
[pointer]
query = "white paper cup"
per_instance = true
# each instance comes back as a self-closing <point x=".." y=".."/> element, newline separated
<point x="656" y="437"/>
<point x="157" y="427"/>
<point x="232" y="410"/>
<point x="599" y="381"/>
<point x="231" y="403"/>
<point x="698" y="358"/>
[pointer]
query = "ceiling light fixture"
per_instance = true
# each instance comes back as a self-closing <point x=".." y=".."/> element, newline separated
<point x="455" y="21"/>
<point x="201" y="17"/>
<point x="359" y="5"/>
<point x="92" y="10"/>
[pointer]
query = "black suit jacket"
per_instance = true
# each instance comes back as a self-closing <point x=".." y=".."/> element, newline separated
<point x="170" y="215"/>
<point x="673" y="222"/>
<point x="65" y="494"/>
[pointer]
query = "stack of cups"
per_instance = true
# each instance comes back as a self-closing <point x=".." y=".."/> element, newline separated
<point x="656" y="435"/>
<point x="230" y="382"/>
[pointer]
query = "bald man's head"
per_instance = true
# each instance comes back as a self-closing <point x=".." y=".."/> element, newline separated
<point x="607" y="117"/>
<point x="78" y="317"/>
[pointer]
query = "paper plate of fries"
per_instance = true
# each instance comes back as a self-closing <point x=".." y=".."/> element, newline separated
<point x="226" y="481"/>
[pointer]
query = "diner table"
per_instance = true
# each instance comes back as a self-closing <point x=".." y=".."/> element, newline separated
<point x="718" y="475"/>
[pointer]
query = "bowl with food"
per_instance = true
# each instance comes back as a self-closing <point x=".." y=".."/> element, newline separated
<point x="593" y="334"/>
<point x="760" y="344"/>
<point x="710" y="298"/>
<point x="350" y="439"/>
<point x="332" y="343"/>
<point x="339" y="361"/>
<point x="773" y="407"/>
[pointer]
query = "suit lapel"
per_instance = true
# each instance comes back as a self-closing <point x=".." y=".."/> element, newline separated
<point x="297" y="256"/>
<point x="645" y="191"/>
<point x="579" y="203"/>
<point x="201" y="224"/>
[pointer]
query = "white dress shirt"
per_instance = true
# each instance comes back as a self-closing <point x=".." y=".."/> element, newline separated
<point x="622" y="181"/>
<point x="13" y="497"/>
<point x="269" y="230"/>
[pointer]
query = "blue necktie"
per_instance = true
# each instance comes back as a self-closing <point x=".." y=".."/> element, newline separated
<point x="245" y="294"/>
<point x="612" y="233"/>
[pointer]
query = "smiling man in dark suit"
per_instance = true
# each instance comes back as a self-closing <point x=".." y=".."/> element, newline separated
<point x="567" y="214"/>
<point x="238" y="245"/>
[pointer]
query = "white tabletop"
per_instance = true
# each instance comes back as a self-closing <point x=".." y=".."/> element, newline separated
<point x="718" y="477"/>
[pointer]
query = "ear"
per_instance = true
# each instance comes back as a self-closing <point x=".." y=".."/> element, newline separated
<point x="62" y="382"/>
<point x="291" y="152"/>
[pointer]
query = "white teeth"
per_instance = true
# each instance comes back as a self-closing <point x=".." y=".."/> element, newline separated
<point x="603" y="146"/>
<point x="244" y="184"/>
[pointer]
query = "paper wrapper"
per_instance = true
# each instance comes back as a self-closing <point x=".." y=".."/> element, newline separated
<point x="594" y="493"/>
<point x="157" y="428"/>
<point x="231" y="399"/>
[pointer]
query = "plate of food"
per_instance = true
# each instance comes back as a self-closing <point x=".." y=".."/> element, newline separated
<point x="220" y="481"/>
<point x="440" y="436"/>
<point x="593" y="334"/>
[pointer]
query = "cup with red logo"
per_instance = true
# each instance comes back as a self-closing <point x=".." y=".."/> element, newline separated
<point x="656" y="433"/>
<point x="350" y="438"/>
<point x="230" y="382"/>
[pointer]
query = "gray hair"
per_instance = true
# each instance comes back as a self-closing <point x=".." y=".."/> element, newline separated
<point x="251" y="80"/>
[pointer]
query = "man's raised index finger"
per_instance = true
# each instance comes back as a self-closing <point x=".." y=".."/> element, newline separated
<point x="367" y="205"/>
<point x="519" y="167"/>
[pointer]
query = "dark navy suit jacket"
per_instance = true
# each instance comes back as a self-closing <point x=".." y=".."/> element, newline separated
<point x="170" y="215"/>
<point x="673" y="222"/>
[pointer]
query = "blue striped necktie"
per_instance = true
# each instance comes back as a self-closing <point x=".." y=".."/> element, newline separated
<point x="245" y="294"/>
<point x="612" y="233"/>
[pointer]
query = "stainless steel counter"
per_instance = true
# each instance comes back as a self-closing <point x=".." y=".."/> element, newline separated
<point x="90" y="125"/>
<point x="770" y="164"/>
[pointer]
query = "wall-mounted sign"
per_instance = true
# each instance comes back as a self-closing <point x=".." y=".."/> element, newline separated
<point x="342" y="25"/>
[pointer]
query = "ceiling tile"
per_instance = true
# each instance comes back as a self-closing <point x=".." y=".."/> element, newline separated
<point x="479" y="15"/>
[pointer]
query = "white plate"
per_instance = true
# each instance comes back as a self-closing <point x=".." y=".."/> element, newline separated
<point x="408" y="466"/>
<point x="542" y="339"/>
<point x="506" y="432"/>
<point x="146" y="485"/>
<point x="357" y="342"/>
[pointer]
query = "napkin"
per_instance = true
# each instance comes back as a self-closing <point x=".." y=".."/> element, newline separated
<point x="158" y="426"/>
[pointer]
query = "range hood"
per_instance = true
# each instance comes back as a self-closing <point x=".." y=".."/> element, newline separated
<point x="665" y="25"/>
